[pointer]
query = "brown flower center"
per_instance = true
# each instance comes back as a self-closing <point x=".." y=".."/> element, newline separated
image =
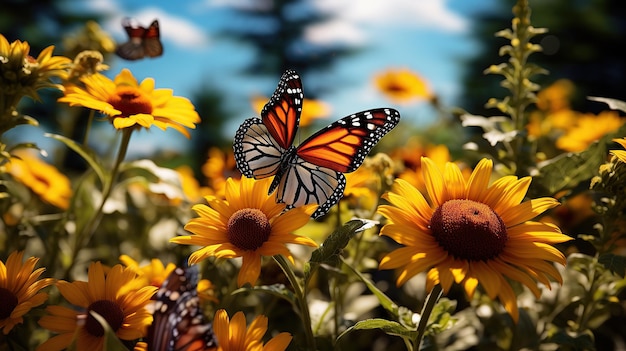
<point x="110" y="311"/>
<point x="248" y="229"/>
<point x="469" y="230"/>
<point x="9" y="302"/>
<point x="130" y="101"/>
<point x="395" y="87"/>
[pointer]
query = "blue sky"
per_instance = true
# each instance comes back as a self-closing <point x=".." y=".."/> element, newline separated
<point x="429" y="37"/>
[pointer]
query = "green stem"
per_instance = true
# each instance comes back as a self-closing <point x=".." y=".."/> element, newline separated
<point x="92" y="113"/>
<point x="429" y="305"/>
<point x="301" y="297"/>
<point x="588" y="302"/>
<point x="82" y="238"/>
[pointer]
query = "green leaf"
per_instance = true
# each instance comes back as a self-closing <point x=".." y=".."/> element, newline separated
<point x="389" y="327"/>
<point x="582" y="341"/>
<point x="571" y="169"/>
<point x="441" y="317"/>
<point x="328" y="252"/>
<point x="85" y="152"/>
<point x="613" y="103"/>
<point x="614" y="263"/>
<point x="384" y="300"/>
<point x="278" y="290"/>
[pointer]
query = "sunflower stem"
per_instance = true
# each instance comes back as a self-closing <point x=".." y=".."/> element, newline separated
<point x="429" y="305"/>
<point x="301" y="297"/>
<point x="92" y="114"/>
<point x="85" y="234"/>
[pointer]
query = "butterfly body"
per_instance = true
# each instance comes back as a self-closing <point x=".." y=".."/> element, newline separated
<point x="142" y="41"/>
<point x="311" y="172"/>
<point x="178" y="322"/>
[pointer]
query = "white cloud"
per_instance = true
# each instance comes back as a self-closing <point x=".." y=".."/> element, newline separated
<point x="177" y="30"/>
<point x="431" y="13"/>
<point x="101" y="7"/>
<point x="334" y="32"/>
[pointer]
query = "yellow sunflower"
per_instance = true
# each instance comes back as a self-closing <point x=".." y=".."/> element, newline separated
<point x="22" y="74"/>
<point x="20" y="289"/>
<point x="402" y="85"/>
<point x="194" y="192"/>
<point x="153" y="273"/>
<point x="471" y="233"/>
<point x="232" y="335"/>
<point x="589" y="128"/>
<point x="620" y="154"/>
<point x="43" y="179"/>
<point x="248" y="224"/>
<point x="219" y="166"/>
<point x="118" y="296"/>
<point x="130" y="104"/>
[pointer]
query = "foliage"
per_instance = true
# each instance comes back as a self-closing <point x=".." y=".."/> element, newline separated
<point x="336" y="292"/>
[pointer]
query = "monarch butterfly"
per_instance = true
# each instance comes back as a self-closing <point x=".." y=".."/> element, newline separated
<point x="178" y="323"/>
<point x="311" y="172"/>
<point x="141" y="42"/>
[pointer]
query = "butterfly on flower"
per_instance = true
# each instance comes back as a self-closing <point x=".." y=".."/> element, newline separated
<point x="142" y="42"/>
<point x="178" y="321"/>
<point x="312" y="172"/>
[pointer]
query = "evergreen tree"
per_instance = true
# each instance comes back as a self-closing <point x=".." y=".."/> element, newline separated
<point x="276" y="30"/>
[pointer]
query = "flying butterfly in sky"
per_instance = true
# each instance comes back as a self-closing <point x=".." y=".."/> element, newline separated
<point x="142" y="42"/>
<point x="178" y="321"/>
<point x="312" y="172"/>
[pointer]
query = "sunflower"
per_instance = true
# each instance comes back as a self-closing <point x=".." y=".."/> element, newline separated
<point x="43" y="179"/>
<point x="132" y="105"/>
<point x="22" y="74"/>
<point x="412" y="172"/>
<point x="248" y="224"/>
<point x="471" y="233"/>
<point x="589" y="128"/>
<point x="153" y="273"/>
<point x="402" y="85"/>
<point x="20" y="289"/>
<point x="232" y="335"/>
<point x="118" y="296"/>
<point x="219" y="166"/>
<point x="620" y="154"/>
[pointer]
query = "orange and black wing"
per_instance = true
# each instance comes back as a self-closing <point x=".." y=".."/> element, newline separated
<point x="152" y="40"/>
<point x="281" y="115"/>
<point x="343" y="145"/>
<point x="260" y="144"/>
<point x="315" y="174"/>
<point x="178" y="321"/>
<point x="141" y="42"/>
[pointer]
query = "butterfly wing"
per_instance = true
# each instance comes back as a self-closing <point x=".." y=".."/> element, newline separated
<point x="315" y="173"/>
<point x="343" y="145"/>
<point x="141" y="42"/>
<point x="152" y="40"/>
<point x="178" y="323"/>
<point x="132" y="49"/>
<point x="281" y="114"/>
<point x="257" y="153"/>
<point x="307" y="183"/>
<point x="312" y="172"/>
<point x="260" y="144"/>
